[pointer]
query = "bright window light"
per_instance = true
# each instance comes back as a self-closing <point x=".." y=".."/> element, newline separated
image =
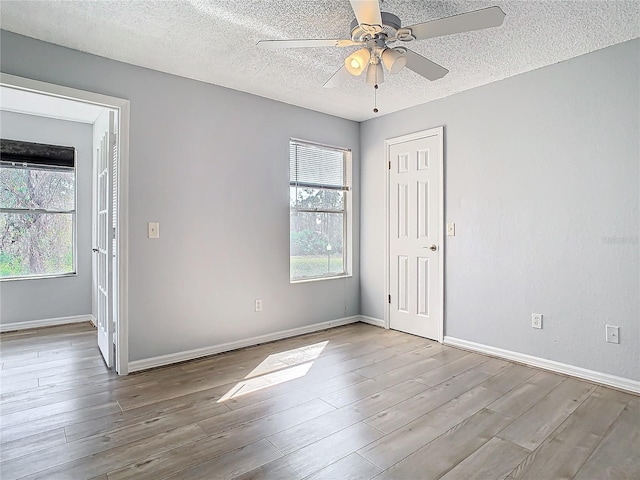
<point x="277" y="368"/>
<point x="319" y="211"/>
<point x="37" y="210"/>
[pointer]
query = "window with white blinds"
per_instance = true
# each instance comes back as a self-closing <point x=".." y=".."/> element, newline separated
<point x="319" y="216"/>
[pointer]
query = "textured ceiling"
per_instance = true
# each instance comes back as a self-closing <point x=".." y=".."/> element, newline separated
<point x="214" y="41"/>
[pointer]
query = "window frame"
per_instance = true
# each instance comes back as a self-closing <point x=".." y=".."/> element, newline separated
<point x="346" y="212"/>
<point x="31" y="211"/>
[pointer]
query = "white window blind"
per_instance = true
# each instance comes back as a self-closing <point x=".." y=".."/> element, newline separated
<point x="316" y="166"/>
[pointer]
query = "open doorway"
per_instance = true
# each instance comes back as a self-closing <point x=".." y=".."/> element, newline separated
<point x="108" y="119"/>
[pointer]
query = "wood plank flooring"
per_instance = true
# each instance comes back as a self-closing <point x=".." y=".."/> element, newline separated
<point x="355" y="402"/>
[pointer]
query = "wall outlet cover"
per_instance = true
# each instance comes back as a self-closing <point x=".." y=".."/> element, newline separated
<point x="536" y="320"/>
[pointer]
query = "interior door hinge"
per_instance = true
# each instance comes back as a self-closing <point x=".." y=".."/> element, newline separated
<point x="389" y="165"/>
<point x="389" y="298"/>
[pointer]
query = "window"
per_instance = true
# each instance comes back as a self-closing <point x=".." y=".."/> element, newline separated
<point x="37" y="210"/>
<point x="319" y="210"/>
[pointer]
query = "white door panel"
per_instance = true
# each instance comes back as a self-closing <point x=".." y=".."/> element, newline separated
<point x="104" y="147"/>
<point x="415" y="229"/>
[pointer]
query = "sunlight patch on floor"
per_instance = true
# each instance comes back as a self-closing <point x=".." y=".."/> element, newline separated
<point x="277" y="368"/>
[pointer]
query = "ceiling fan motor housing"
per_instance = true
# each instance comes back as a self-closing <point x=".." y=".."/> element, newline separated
<point x="390" y="25"/>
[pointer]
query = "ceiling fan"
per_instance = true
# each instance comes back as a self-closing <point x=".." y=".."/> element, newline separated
<point x="373" y="31"/>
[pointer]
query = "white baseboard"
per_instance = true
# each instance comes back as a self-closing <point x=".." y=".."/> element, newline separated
<point x="46" y="322"/>
<point x="376" y="322"/>
<point x="162" y="360"/>
<point x="93" y="320"/>
<point x="621" y="383"/>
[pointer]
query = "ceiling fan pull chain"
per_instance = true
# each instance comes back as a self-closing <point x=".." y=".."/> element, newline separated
<point x="375" y="98"/>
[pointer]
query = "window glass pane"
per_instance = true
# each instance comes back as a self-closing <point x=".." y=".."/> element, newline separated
<point x="37" y="188"/>
<point x="317" y="198"/>
<point x="316" y="244"/>
<point x="36" y="244"/>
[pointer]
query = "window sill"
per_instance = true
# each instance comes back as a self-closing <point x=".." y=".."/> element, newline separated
<point x="39" y="277"/>
<point x="320" y="279"/>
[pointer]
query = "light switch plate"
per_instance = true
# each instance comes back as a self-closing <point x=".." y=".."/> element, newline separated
<point x="613" y="334"/>
<point x="451" y="229"/>
<point x="153" y="230"/>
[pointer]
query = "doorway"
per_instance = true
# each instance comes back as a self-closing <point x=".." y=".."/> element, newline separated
<point x="112" y="256"/>
<point x="415" y="234"/>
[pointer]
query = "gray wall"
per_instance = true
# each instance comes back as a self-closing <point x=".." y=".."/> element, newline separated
<point x="211" y="165"/>
<point x="25" y="300"/>
<point x="542" y="181"/>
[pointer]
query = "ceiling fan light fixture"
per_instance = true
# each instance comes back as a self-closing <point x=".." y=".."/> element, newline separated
<point x="375" y="74"/>
<point x="357" y="61"/>
<point x="393" y="60"/>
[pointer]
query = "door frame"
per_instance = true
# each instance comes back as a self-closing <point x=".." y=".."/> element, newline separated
<point x="122" y="107"/>
<point x="387" y="270"/>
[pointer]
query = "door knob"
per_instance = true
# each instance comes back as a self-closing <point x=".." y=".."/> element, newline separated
<point x="94" y="249"/>
<point x="433" y="247"/>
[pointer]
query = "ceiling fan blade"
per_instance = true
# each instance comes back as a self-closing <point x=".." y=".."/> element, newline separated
<point x="277" y="44"/>
<point x="465" y="22"/>
<point x="338" y="78"/>
<point x="367" y="11"/>
<point x="424" y="66"/>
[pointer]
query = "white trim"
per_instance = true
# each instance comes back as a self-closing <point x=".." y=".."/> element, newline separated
<point x="45" y="322"/>
<point x="60" y="91"/>
<point x="122" y="242"/>
<point x="122" y="106"/>
<point x="162" y="360"/>
<point x="387" y="147"/>
<point x="319" y="279"/>
<point x="621" y="383"/>
<point x="376" y="322"/>
<point x="387" y="233"/>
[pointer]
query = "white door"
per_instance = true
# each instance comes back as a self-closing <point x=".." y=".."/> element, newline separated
<point x="105" y="154"/>
<point x="415" y="234"/>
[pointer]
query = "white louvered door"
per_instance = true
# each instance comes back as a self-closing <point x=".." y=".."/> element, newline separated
<point x="104" y="146"/>
<point x="415" y="236"/>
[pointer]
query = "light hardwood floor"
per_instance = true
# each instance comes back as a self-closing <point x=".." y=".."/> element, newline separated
<point x="355" y="402"/>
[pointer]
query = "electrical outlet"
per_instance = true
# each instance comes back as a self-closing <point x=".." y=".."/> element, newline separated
<point x="451" y="229"/>
<point x="536" y="320"/>
<point x="258" y="305"/>
<point x="613" y="334"/>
